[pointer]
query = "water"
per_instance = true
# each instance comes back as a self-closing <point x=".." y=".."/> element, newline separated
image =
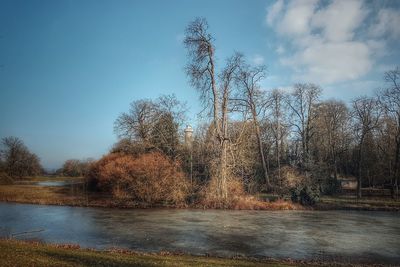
<point x="349" y="236"/>
<point x="56" y="183"/>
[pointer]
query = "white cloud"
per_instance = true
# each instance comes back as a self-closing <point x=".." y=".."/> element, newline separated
<point x="325" y="41"/>
<point x="296" y="18"/>
<point x="258" y="60"/>
<point x="274" y="11"/>
<point x="331" y="62"/>
<point x="339" y="19"/>
<point x="387" y="22"/>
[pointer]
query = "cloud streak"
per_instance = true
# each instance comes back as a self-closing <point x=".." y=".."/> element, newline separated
<point x="331" y="43"/>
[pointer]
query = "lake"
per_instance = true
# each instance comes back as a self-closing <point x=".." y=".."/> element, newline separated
<point x="347" y="236"/>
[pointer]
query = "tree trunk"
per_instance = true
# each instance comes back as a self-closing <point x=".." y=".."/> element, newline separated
<point x="359" y="195"/>
<point x="224" y="146"/>
<point x="395" y="181"/>
<point x="262" y="156"/>
<point x="278" y="160"/>
<point x="223" y="171"/>
<point x="260" y="146"/>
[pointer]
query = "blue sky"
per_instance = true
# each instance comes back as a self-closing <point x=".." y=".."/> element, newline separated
<point x="69" y="68"/>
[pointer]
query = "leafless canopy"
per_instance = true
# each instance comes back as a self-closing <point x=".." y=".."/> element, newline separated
<point x="201" y="69"/>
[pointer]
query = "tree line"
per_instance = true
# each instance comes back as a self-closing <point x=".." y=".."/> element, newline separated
<point x="321" y="138"/>
<point x="253" y="140"/>
<point x="273" y="141"/>
<point x="16" y="161"/>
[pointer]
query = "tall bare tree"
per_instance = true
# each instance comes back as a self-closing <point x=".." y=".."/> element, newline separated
<point x="334" y="118"/>
<point x="390" y="101"/>
<point x="254" y="100"/>
<point x="303" y="102"/>
<point x="278" y="125"/>
<point x="366" y="114"/>
<point x="214" y="89"/>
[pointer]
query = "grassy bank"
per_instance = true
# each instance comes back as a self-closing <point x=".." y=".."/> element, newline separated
<point x="75" y="195"/>
<point x="17" y="253"/>
<point x="21" y="253"/>
<point x="352" y="203"/>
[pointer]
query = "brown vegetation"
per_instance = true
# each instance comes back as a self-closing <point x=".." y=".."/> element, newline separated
<point x="31" y="253"/>
<point x="75" y="195"/>
<point x="16" y="161"/>
<point x="75" y="167"/>
<point x="238" y="199"/>
<point x="151" y="178"/>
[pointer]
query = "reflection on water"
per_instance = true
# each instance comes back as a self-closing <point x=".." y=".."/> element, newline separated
<point x="56" y="183"/>
<point x="342" y="235"/>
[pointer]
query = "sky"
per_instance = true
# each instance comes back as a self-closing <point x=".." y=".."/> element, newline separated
<point x="69" y="68"/>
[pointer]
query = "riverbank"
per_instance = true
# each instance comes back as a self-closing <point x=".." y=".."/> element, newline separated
<point x="23" y="253"/>
<point x="352" y="203"/>
<point x="30" y="191"/>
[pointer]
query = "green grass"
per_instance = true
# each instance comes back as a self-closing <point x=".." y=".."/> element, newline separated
<point x="18" y="253"/>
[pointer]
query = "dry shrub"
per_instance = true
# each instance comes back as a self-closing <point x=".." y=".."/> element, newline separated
<point x="238" y="199"/>
<point x="291" y="177"/>
<point x="5" y="178"/>
<point x="151" y="178"/>
<point x="252" y="203"/>
<point x="210" y="198"/>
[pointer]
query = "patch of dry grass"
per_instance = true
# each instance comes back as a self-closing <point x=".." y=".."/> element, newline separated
<point x="21" y="253"/>
<point x="365" y="203"/>
<point x="76" y="196"/>
<point x="252" y="203"/>
<point x="41" y="195"/>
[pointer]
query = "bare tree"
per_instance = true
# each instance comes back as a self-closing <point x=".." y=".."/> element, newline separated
<point x="76" y="167"/>
<point x="19" y="161"/>
<point x="152" y="124"/>
<point x="333" y="117"/>
<point x="214" y="89"/>
<point x="278" y="125"/>
<point x="137" y="123"/>
<point x="366" y="114"/>
<point x="303" y="102"/>
<point x="390" y="101"/>
<point x="253" y="99"/>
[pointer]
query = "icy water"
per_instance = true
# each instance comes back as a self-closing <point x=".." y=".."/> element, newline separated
<point x="349" y="236"/>
<point x="56" y="183"/>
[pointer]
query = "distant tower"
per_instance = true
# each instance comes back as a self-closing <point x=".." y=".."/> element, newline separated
<point x="188" y="136"/>
<point x="188" y="143"/>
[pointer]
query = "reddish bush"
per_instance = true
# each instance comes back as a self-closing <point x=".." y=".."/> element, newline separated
<point x="152" y="178"/>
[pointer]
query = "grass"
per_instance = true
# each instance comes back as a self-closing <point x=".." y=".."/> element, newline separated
<point x="26" y="191"/>
<point x="365" y="203"/>
<point x="74" y="195"/>
<point x="41" y="195"/>
<point x="21" y="253"/>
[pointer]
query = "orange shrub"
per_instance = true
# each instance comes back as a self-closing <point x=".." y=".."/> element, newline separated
<point x="152" y="178"/>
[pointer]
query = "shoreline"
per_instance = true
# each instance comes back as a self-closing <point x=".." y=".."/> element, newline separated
<point x="318" y="207"/>
<point x="75" y="196"/>
<point x="51" y="254"/>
